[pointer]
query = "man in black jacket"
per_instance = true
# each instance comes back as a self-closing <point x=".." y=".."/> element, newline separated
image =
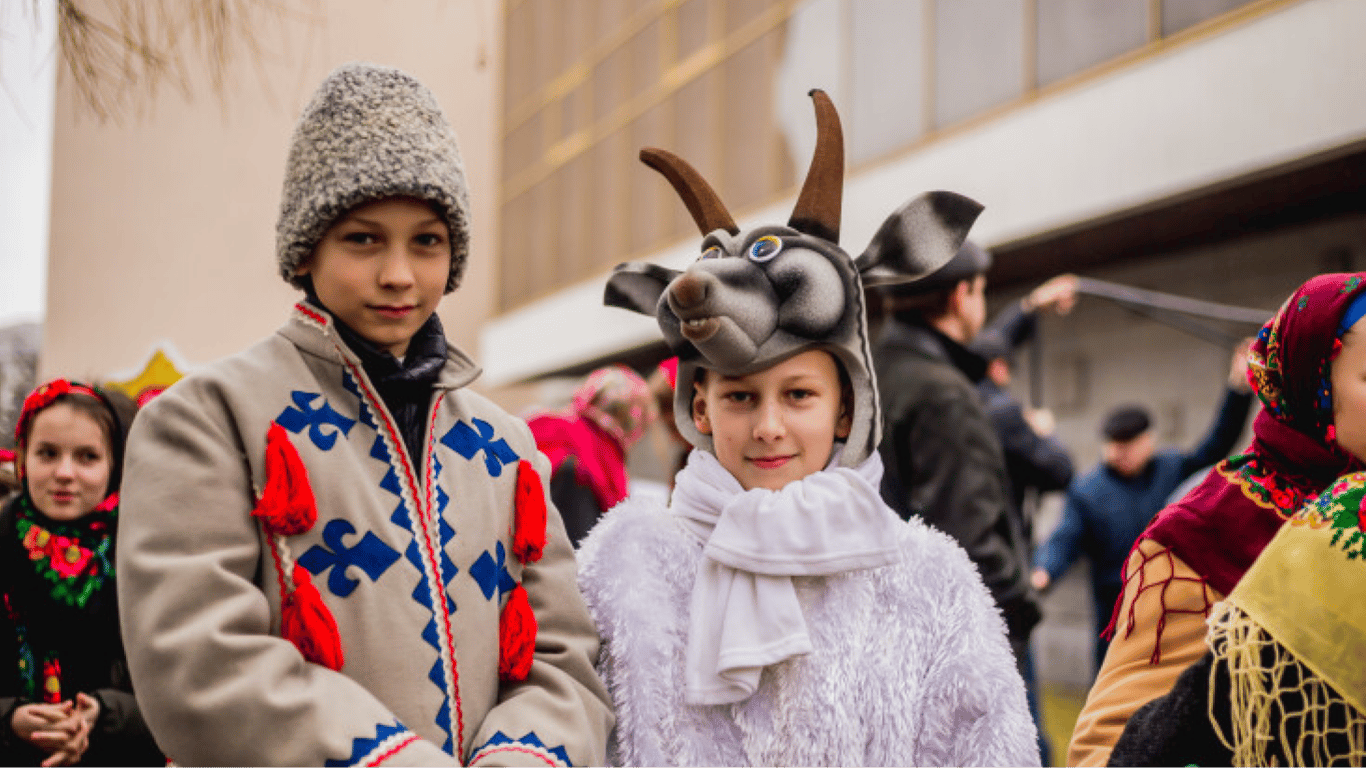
<point x="942" y="457"/>
<point x="1035" y="459"/>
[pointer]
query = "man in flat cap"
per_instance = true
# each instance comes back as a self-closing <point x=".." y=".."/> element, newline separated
<point x="1108" y="507"/>
<point x="942" y="459"/>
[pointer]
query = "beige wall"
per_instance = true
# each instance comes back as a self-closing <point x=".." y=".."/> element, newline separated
<point x="163" y="226"/>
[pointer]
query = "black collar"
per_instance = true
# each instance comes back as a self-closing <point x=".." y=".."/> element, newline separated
<point x="420" y="366"/>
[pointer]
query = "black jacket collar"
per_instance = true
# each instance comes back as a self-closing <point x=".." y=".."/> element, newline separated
<point x="418" y="371"/>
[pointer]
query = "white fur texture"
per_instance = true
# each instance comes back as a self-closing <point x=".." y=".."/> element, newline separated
<point x="910" y="663"/>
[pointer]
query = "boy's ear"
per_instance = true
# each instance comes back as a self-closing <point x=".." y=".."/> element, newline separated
<point x="845" y="424"/>
<point x="637" y="286"/>
<point x="699" y="411"/>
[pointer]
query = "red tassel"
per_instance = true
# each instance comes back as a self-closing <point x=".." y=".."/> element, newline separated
<point x="528" y="522"/>
<point x="286" y="507"/>
<point x="306" y="622"/>
<point x="516" y="637"/>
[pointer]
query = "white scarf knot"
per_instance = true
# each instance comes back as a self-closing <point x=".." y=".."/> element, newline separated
<point x="745" y="615"/>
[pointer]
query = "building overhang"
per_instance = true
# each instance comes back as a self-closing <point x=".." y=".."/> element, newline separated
<point x="1237" y="123"/>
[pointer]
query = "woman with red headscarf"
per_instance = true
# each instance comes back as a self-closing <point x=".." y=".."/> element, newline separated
<point x="1195" y="551"/>
<point x="65" y="695"/>
<point x="587" y="445"/>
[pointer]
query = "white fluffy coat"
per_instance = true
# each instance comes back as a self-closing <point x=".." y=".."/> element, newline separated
<point x="910" y="663"/>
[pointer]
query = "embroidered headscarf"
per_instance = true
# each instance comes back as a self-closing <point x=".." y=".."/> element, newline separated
<point x="62" y="567"/>
<point x="609" y="413"/>
<point x="1220" y="527"/>
<point x="1290" y="637"/>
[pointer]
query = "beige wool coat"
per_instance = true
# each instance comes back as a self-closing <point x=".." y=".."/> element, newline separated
<point x="413" y="559"/>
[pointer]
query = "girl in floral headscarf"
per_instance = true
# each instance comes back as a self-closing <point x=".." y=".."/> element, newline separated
<point x="587" y="444"/>
<point x="1195" y="551"/>
<point x="65" y="697"/>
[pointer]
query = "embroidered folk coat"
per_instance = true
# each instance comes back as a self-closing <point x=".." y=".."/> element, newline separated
<point x="910" y="663"/>
<point x="412" y="558"/>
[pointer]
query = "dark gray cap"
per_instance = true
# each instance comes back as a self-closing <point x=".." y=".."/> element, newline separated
<point x="1125" y="423"/>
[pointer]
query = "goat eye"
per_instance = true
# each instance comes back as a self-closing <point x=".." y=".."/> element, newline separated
<point x="765" y="248"/>
<point x="711" y="253"/>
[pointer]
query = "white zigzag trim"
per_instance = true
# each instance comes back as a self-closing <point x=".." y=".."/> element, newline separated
<point x="386" y="749"/>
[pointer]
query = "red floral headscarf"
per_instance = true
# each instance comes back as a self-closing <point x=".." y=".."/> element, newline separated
<point x="1221" y="526"/>
<point x="44" y="396"/>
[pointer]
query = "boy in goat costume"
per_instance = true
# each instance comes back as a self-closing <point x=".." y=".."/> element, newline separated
<point x="777" y="612"/>
<point x="332" y="552"/>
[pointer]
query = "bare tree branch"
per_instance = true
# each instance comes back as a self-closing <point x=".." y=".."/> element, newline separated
<point x="120" y="52"/>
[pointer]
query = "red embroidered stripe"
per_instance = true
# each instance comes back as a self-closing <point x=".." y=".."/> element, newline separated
<point x="543" y="758"/>
<point x="304" y="310"/>
<point x="424" y="514"/>
<point x="388" y="753"/>
<point x="445" y="614"/>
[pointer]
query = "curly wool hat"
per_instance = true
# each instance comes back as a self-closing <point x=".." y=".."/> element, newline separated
<point x="370" y="132"/>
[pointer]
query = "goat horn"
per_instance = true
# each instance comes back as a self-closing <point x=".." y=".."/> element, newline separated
<point x="818" y="207"/>
<point x="702" y="201"/>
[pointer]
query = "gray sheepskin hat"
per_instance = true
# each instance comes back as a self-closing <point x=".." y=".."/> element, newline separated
<point x="758" y="297"/>
<point x="369" y="132"/>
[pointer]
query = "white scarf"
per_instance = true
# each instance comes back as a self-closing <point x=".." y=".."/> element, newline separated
<point x="745" y="613"/>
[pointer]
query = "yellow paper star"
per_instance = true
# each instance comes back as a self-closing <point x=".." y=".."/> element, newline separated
<point x="158" y="374"/>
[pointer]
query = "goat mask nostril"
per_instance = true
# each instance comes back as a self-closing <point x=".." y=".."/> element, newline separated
<point x="688" y="291"/>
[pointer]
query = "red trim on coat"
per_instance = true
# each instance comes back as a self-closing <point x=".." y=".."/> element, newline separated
<point x="388" y="753"/>
<point x="547" y="760"/>
<point x="423" y="512"/>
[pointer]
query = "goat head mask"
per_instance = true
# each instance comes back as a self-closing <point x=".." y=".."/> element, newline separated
<point x="758" y="297"/>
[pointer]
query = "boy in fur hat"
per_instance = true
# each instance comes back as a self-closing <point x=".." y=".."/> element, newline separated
<point x="777" y="612"/>
<point x="332" y="552"/>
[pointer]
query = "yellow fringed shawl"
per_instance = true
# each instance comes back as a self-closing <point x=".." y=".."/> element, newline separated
<point x="1292" y="636"/>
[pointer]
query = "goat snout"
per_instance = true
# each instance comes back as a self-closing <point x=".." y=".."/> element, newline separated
<point x="688" y="291"/>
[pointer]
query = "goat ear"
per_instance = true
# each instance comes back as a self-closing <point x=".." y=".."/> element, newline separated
<point x="918" y="238"/>
<point x="637" y="286"/>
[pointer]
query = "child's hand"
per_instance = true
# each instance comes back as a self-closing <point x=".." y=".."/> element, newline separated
<point x="70" y="749"/>
<point x="31" y="718"/>
<point x="57" y="729"/>
<point x="88" y="707"/>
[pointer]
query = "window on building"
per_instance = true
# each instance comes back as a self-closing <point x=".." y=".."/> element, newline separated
<point x="587" y="84"/>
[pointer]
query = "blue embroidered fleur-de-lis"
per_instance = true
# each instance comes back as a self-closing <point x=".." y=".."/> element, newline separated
<point x="302" y="414"/>
<point x="491" y="574"/>
<point x="469" y="441"/>
<point x="370" y="555"/>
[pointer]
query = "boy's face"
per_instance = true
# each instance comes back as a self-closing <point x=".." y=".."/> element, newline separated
<point x="775" y="426"/>
<point x="382" y="268"/>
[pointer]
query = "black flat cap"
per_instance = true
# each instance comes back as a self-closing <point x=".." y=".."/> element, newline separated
<point x="1125" y="423"/>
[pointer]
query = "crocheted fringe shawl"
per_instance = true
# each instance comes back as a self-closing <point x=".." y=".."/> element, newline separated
<point x="1313" y="726"/>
